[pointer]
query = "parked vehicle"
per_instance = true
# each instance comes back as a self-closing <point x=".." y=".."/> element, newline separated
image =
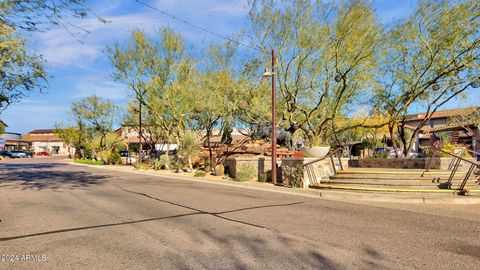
<point x="18" y="154"/>
<point x="6" y="153"/>
<point x="124" y="153"/>
<point x="28" y="154"/>
<point x="44" y="154"/>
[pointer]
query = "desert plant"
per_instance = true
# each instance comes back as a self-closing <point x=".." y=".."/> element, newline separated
<point x="189" y="147"/>
<point x="162" y="163"/>
<point x="262" y="177"/>
<point x="245" y="173"/>
<point x="177" y="167"/>
<point x="219" y="170"/>
<point x="141" y="166"/>
<point x="199" y="174"/>
<point x="89" y="161"/>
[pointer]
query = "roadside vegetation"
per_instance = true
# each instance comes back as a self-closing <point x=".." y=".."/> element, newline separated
<point x="89" y="161"/>
<point x="342" y="77"/>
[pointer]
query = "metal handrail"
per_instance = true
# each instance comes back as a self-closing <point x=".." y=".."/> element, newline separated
<point x="454" y="164"/>
<point x="459" y="157"/>
<point x="311" y="171"/>
<point x="475" y="154"/>
<point x="322" y="158"/>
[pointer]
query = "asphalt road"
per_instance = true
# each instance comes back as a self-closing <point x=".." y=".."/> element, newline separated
<point x="65" y="216"/>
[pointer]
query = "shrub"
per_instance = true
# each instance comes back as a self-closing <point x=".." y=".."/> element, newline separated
<point x="219" y="170"/>
<point x="177" y="167"/>
<point x="89" y="161"/>
<point x="189" y="147"/>
<point x="262" y="177"/>
<point x="245" y="173"/>
<point x="141" y="166"/>
<point x="199" y="174"/>
<point x="111" y="157"/>
<point x="162" y="163"/>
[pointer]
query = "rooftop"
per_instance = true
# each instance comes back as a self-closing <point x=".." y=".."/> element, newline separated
<point x="37" y="131"/>
<point x="443" y="113"/>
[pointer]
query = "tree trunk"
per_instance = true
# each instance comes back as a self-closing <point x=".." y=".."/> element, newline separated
<point x="190" y="163"/>
<point x="210" y="154"/>
<point x="392" y="138"/>
<point x="401" y="132"/>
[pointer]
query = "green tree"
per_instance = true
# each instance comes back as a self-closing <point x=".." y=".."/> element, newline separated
<point x="20" y="70"/>
<point x="217" y="95"/>
<point x="95" y="118"/>
<point x="316" y="43"/>
<point x="37" y="15"/>
<point x="432" y="57"/>
<point x="72" y="137"/>
<point x="159" y="75"/>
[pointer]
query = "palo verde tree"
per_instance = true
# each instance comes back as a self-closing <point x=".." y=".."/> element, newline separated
<point x="432" y="57"/>
<point x="317" y="44"/>
<point x="21" y="70"/>
<point x="217" y="96"/>
<point x="96" y="118"/>
<point x="158" y="74"/>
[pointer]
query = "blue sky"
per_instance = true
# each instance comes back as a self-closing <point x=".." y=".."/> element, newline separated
<point x="81" y="69"/>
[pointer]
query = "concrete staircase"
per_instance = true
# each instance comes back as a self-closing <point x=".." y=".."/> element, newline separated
<point x="396" y="180"/>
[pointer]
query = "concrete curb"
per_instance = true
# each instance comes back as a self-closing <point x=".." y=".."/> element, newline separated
<point x="351" y="196"/>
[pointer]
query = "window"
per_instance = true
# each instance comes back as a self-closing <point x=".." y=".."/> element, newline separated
<point x="55" y="150"/>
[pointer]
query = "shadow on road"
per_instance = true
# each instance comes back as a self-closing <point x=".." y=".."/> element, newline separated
<point x="46" y="176"/>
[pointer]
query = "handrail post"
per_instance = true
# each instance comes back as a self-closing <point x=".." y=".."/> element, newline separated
<point x="312" y="177"/>
<point x="339" y="156"/>
<point x="454" y="170"/>
<point x="469" y="173"/>
<point x="427" y="169"/>
<point x="333" y="165"/>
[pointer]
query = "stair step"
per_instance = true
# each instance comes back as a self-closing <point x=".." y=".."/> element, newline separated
<point x="399" y="177"/>
<point x="398" y="185"/>
<point x="392" y="172"/>
<point x="390" y="189"/>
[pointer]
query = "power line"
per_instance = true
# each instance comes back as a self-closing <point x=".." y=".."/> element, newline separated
<point x="196" y="26"/>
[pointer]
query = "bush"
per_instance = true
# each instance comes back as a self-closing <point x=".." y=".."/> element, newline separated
<point x="111" y="157"/>
<point x="177" y="167"/>
<point x="141" y="166"/>
<point x="262" y="177"/>
<point x="199" y="174"/>
<point x="245" y="173"/>
<point x="89" y="161"/>
<point x="162" y="163"/>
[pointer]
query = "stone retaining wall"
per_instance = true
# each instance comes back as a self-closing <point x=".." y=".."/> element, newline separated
<point x="404" y="163"/>
<point x="289" y="171"/>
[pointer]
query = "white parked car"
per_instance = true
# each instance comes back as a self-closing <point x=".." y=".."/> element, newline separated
<point x="18" y="154"/>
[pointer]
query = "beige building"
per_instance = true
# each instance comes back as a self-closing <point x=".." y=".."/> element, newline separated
<point x="439" y="123"/>
<point x="45" y="140"/>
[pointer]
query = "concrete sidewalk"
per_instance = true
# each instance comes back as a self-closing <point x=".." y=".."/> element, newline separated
<point x="353" y="196"/>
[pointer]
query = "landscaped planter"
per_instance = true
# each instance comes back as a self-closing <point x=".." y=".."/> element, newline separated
<point x="315" y="151"/>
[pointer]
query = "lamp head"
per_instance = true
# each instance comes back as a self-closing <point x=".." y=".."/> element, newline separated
<point x="267" y="74"/>
<point x="476" y="83"/>
<point x="338" y="77"/>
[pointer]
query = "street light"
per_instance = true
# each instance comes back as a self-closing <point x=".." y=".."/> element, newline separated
<point x="476" y="83"/>
<point x="338" y="77"/>
<point x="271" y="74"/>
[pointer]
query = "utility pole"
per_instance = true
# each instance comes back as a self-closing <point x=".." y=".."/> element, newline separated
<point x="140" y="131"/>
<point x="274" y="137"/>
